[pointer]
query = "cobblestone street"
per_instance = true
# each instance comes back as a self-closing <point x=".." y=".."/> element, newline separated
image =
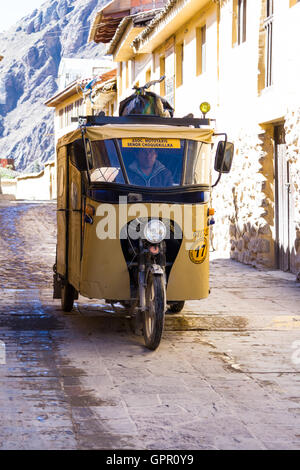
<point x="226" y="375"/>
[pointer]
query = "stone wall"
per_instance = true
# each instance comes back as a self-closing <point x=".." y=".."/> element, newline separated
<point x="245" y="199"/>
<point x="244" y="203"/>
<point x="292" y="130"/>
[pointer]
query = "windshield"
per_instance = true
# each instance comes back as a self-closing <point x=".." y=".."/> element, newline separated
<point x="157" y="163"/>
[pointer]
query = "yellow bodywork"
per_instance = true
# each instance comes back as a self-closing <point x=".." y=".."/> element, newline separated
<point x="97" y="267"/>
<point x="114" y="131"/>
<point x="104" y="272"/>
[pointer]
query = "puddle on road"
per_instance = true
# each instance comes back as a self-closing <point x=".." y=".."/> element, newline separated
<point x="89" y="400"/>
<point x="24" y="311"/>
<point x="30" y="323"/>
<point x="205" y="322"/>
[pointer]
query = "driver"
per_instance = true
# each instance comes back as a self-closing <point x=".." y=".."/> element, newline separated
<point x="146" y="170"/>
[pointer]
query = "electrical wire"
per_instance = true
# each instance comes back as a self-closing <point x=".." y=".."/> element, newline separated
<point x="56" y="35"/>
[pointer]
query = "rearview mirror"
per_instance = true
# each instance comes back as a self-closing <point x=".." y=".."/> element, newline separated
<point x="224" y="156"/>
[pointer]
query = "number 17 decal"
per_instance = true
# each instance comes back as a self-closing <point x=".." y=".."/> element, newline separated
<point x="198" y="254"/>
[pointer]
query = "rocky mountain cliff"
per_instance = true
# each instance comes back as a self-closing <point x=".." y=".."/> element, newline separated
<point x="32" y="51"/>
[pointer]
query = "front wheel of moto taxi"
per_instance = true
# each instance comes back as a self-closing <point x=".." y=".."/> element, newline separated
<point x="154" y="315"/>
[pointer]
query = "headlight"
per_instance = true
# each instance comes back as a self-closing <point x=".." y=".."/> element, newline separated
<point x="155" y="231"/>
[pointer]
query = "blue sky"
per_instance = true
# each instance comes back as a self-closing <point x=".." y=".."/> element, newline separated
<point x="13" y="11"/>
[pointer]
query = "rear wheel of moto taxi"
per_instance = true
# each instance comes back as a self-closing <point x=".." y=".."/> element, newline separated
<point x="68" y="294"/>
<point x="176" y="307"/>
<point x="154" y="316"/>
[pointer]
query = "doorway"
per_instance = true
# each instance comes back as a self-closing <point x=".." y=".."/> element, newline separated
<point x="282" y="201"/>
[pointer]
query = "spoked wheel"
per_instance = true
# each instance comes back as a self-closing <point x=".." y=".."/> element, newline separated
<point x="175" y="307"/>
<point x="68" y="294"/>
<point x="154" y="315"/>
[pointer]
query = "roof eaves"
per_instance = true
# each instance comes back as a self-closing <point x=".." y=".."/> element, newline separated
<point x="145" y="16"/>
<point x="96" y="20"/>
<point x="118" y="34"/>
<point x="95" y="23"/>
<point x="138" y="19"/>
<point x="107" y="86"/>
<point x="61" y="94"/>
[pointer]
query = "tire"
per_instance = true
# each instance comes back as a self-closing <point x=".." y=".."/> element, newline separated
<point x="125" y="303"/>
<point x="154" y="317"/>
<point x="176" y="307"/>
<point x="68" y="294"/>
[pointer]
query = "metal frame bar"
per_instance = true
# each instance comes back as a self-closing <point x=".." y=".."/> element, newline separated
<point x="141" y="119"/>
<point x="121" y="161"/>
<point x="85" y="152"/>
<point x="184" y="161"/>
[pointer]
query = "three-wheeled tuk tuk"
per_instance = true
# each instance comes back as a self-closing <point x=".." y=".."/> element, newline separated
<point x="133" y="213"/>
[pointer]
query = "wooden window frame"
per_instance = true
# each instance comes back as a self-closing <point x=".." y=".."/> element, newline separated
<point x="179" y="63"/>
<point x="162" y="72"/>
<point x="61" y="118"/>
<point x="201" y="41"/>
<point x="126" y="75"/>
<point x="241" y="21"/>
<point x="121" y="79"/>
<point x="148" y="75"/>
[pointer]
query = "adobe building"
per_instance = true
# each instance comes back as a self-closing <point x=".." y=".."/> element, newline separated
<point x="74" y="99"/>
<point x="117" y="21"/>
<point x="241" y="57"/>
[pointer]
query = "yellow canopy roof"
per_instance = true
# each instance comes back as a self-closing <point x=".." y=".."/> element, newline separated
<point x="116" y="131"/>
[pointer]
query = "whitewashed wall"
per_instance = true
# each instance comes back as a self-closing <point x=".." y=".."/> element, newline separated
<point x="38" y="187"/>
